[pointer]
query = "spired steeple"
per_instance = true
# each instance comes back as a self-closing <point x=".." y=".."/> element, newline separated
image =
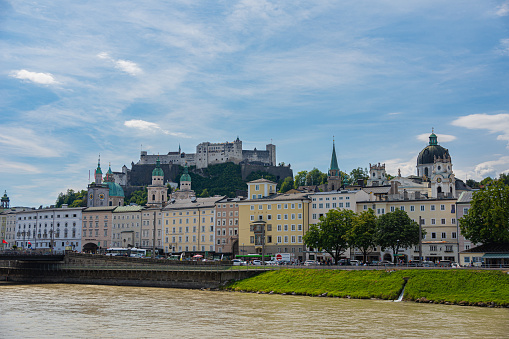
<point x="109" y="175"/>
<point x="334" y="168"/>
<point x="98" y="173"/>
<point x="334" y="177"/>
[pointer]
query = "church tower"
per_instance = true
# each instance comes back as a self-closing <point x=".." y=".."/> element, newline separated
<point x="98" y="193"/>
<point x="334" y="175"/>
<point x="157" y="192"/>
<point x="377" y="175"/>
<point x="442" y="180"/>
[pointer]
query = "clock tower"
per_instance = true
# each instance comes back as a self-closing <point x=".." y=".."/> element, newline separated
<point x="98" y="192"/>
<point x="442" y="180"/>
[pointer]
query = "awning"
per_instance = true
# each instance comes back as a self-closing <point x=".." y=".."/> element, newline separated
<point x="496" y="256"/>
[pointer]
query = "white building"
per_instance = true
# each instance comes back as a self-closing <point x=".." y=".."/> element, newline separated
<point x="322" y="202"/>
<point x="49" y="228"/>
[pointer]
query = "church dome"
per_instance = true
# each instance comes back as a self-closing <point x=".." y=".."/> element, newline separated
<point x="158" y="171"/>
<point x="185" y="176"/>
<point x="115" y="189"/>
<point x="428" y="154"/>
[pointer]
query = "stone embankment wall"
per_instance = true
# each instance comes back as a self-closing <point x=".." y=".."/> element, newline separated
<point x="102" y="270"/>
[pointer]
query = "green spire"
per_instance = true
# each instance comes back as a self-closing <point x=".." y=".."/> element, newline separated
<point x="334" y="160"/>
<point x="98" y="170"/>
<point x="433" y="138"/>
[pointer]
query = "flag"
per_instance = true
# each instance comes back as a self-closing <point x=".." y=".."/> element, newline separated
<point x="29" y="243"/>
<point x="4" y="242"/>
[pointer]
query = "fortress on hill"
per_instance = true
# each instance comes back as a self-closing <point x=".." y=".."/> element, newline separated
<point x="214" y="153"/>
<point x="207" y="153"/>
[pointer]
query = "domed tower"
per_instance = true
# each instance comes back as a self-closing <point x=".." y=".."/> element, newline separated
<point x="5" y="201"/>
<point x="157" y="192"/>
<point x="426" y="157"/>
<point x="334" y="175"/>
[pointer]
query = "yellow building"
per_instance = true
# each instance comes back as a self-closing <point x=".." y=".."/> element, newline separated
<point x="438" y="219"/>
<point x="189" y="225"/>
<point x="271" y="222"/>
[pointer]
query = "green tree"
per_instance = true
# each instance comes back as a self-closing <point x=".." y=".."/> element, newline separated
<point x="286" y="185"/>
<point x="362" y="234"/>
<point x="472" y="183"/>
<point x="72" y="198"/>
<point x="345" y="177"/>
<point x="300" y="179"/>
<point x="331" y="233"/>
<point x="359" y="173"/>
<point x="204" y="193"/>
<point x="487" y="220"/>
<point x="316" y="177"/>
<point x="138" y="197"/>
<point x="396" y="230"/>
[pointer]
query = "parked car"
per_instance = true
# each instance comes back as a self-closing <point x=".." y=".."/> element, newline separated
<point x="257" y="262"/>
<point x="238" y="262"/>
<point x="355" y="262"/>
<point x="428" y="264"/>
<point x="444" y="263"/>
<point x="310" y="263"/>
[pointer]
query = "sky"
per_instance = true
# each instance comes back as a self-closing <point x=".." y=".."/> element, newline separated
<point x="83" y="78"/>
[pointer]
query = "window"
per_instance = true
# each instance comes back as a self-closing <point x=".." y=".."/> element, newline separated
<point x="314" y="205"/>
<point x="433" y="248"/>
<point x="453" y="235"/>
<point x="444" y="235"/>
<point x="260" y="207"/>
<point x="251" y="217"/>
<point x="433" y="221"/>
<point x="402" y="208"/>
<point x="443" y="221"/>
<point x="465" y="210"/>
<point x="432" y="207"/>
<point x="327" y="205"/>
<point x="347" y="204"/>
<point x="279" y="217"/>
<point x="433" y="235"/>
<point x="314" y="215"/>
<point x="442" y="207"/>
<point x="453" y="220"/>
<point x="392" y="208"/>
<point x="279" y="228"/>
<point x="293" y="227"/>
<point x="422" y="208"/>
<point x="412" y="208"/>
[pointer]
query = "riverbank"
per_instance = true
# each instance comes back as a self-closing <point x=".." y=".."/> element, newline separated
<point x="452" y="286"/>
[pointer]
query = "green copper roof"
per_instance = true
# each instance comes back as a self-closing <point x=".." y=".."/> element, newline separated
<point x="5" y="197"/>
<point x="334" y="160"/>
<point x="185" y="176"/>
<point x="433" y="139"/>
<point x="158" y="171"/>
<point x="115" y="189"/>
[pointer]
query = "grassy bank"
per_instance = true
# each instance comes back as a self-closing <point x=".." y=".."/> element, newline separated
<point x="465" y="287"/>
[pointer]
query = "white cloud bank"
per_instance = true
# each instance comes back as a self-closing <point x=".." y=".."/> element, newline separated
<point x="126" y="66"/>
<point x="503" y="10"/>
<point x="25" y="142"/>
<point x="440" y="137"/>
<point x="147" y="126"/>
<point x="38" y="78"/>
<point x="496" y="123"/>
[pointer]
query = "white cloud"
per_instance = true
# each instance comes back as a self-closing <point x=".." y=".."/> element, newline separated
<point x="38" y="78"/>
<point x="504" y="47"/>
<point x="17" y="167"/>
<point x="495" y="123"/>
<point x="491" y="168"/>
<point x="440" y="137"/>
<point x="407" y="167"/>
<point x="147" y="126"/>
<point x="124" y="65"/>
<point x="503" y="10"/>
<point x="24" y="142"/>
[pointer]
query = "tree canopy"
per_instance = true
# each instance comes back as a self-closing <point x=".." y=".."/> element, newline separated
<point x="72" y="198"/>
<point x="331" y="233"/>
<point x="396" y="230"/>
<point x="362" y="234"/>
<point x="487" y="220"/>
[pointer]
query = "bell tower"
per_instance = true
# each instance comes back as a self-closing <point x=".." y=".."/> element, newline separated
<point x="334" y="174"/>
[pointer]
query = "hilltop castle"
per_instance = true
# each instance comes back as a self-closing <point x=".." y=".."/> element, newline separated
<point x="214" y="153"/>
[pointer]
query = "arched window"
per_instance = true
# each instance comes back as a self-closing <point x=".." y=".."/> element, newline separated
<point x="439" y="189"/>
<point x="426" y="171"/>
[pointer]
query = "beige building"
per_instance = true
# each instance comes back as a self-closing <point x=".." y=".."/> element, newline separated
<point x="151" y="227"/>
<point x="189" y="225"/>
<point x="127" y="229"/>
<point x="272" y="222"/>
<point x="97" y="228"/>
<point x="227" y="226"/>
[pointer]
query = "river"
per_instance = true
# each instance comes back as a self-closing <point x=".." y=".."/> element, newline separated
<point x="87" y="311"/>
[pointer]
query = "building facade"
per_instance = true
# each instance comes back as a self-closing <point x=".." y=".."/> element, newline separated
<point x="47" y="229"/>
<point x="126" y="228"/>
<point x="271" y="222"/>
<point x="97" y="228"/>
<point x="227" y="225"/>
